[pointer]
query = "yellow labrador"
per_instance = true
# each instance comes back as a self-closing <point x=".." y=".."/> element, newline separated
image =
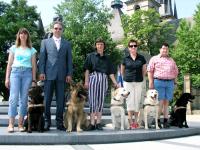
<point x="151" y="107"/>
<point x="119" y="120"/>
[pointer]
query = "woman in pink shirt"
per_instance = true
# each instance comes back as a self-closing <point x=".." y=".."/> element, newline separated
<point x="162" y="73"/>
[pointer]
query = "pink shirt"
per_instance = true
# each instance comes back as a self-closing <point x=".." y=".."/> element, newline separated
<point x="163" y="67"/>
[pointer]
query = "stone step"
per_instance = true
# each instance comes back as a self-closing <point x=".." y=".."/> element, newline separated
<point x="53" y="104"/>
<point x="4" y="120"/>
<point x="108" y="135"/>
<point x="4" y="110"/>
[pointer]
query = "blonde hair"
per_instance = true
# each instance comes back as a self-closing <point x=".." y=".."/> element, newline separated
<point x="28" y="41"/>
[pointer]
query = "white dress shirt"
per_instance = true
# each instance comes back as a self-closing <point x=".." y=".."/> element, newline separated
<point x="57" y="42"/>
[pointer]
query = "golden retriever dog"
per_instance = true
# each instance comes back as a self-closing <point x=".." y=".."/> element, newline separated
<point x="119" y="121"/>
<point x="150" y="108"/>
<point x="75" y="118"/>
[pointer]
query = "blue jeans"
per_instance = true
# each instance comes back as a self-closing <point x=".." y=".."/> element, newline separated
<point x="165" y="89"/>
<point x="20" y="81"/>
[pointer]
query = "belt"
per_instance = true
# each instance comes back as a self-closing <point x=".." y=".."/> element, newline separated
<point x="22" y="67"/>
<point x="164" y="79"/>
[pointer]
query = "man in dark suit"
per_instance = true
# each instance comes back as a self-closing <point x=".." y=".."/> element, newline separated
<point x="55" y="67"/>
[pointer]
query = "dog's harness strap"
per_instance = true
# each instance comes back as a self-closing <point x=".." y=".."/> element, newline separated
<point x="149" y="105"/>
<point x="35" y="105"/>
<point x="116" y="99"/>
<point x="180" y="107"/>
<point x="116" y="105"/>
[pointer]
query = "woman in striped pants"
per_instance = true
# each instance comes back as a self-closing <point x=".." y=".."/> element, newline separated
<point x="97" y="69"/>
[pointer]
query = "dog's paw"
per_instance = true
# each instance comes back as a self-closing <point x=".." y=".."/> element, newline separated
<point x="157" y="128"/>
<point x="69" y="130"/>
<point x="122" y="129"/>
<point x="146" y="128"/>
<point x="79" y="130"/>
<point x="186" y="126"/>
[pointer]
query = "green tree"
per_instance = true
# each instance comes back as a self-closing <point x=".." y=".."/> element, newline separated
<point x="145" y="26"/>
<point x="85" y="21"/>
<point x="187" y="51"/>
<point x="12" y="17"/>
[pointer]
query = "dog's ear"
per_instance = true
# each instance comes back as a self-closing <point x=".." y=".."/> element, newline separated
<point x="115" y="92"/>
<point x="72" y="85"/>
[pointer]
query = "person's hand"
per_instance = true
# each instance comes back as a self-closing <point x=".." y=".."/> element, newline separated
<point x="42" y="77"/>
<point x="69" y="79"/>
<point x="115" y="85"/>
<point x="7" y="83"/>
<point x="151" y="86"/>
<point x="86" y="85"/>
<point x="34" y="84"/>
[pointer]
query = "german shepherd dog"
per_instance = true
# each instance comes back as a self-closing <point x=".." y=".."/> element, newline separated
<point x="178" y="115"/>
<point x="75" y="119"/>
<point x="35" y="118"/>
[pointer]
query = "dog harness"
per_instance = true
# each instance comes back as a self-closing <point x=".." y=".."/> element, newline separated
<point x="180" y="107"/>
<point x="35" y="105"/>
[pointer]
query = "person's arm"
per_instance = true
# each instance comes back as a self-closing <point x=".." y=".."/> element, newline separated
<point x="34" y="69"/>
<point x="69" y="60"/>
<point x="144" y="70"/>
<point x="122" y="70"/>
<point x="42" y="60"/>
<point x="8" y="69"/>
<point x="69" y="64"/>
<point x="112" y="77"/>
<point x="150" y="77"/>
<point x="176" y="73"/>
<point x="86" y="84"/>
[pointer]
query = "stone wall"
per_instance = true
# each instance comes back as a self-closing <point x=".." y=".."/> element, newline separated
<point x="196" y="103"/>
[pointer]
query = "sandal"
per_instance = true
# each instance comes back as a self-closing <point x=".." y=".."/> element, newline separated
<point x="134" y="125"/>
<point x="21" y="129"/>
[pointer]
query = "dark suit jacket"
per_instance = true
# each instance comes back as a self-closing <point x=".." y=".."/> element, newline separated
<point x="55" y="64"/>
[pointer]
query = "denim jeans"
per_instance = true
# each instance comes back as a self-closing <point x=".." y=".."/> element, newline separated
<point x="20" y="81"/>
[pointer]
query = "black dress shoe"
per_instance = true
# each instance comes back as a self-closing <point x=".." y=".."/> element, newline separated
<point x="166" y="125"/>
<point x="61" y="128"/>
<point x="46" y="126"/>
<point x="99" y="126"/>
<point x="91" y="127"/>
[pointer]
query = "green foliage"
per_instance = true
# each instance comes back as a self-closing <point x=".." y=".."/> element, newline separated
<point x="145" y="26"/>
<point x="12" y="17"/>
<point x="85" y="21"/>
<point x="187" y="50"/>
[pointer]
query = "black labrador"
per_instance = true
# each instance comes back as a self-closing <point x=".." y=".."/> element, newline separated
<point x="35" y="117"/>
<point x="178" y="114"/>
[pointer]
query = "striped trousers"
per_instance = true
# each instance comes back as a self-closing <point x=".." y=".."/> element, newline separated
<point x="98" y="86"/>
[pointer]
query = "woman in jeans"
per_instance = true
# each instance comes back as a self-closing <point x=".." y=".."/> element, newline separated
<point x="20" y="73"/>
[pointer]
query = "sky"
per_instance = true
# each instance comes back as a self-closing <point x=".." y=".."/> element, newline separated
<point x="185" y="8"/>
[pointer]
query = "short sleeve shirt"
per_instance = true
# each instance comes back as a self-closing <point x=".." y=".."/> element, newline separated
<point x="22" y="57"/>
<point x="133" y="68"/>
<point x="95" y="62"/>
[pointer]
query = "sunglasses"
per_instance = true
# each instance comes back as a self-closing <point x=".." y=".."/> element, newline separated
<point x="131" y="46"/>
<point x="58" y="29"/>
